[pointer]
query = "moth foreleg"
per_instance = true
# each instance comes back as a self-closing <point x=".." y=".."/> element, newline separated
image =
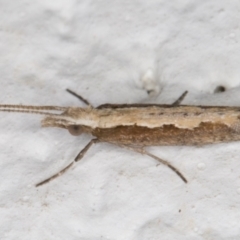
<point x="180" y="99"/>
<point x="85" y="149"/>
<point x="166" y="163"/>
<point x="79" y="97"/>
<point x="77" y="158"/>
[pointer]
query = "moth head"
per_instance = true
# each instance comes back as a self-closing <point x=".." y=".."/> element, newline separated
<point x="61" y="122"/>
<point x="75" y="120"/>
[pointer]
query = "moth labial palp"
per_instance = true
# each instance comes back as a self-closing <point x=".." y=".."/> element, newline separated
<point x="136" y="126"/>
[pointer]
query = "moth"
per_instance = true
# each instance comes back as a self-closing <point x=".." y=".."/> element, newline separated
<point x="136" y="126"/>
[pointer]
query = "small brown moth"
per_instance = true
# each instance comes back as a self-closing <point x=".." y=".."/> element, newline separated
<point x="135" y="126"/>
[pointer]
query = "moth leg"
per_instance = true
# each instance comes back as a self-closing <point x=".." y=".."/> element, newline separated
<point x="77" y="158"/>
<point x="180" y="99"/>
<point x="166" y="163"/>
<point x="80" y="97"/>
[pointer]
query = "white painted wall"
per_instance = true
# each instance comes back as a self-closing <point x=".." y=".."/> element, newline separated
<point x="103" y="50"/>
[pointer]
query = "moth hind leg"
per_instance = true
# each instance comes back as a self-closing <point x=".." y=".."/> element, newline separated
<point x="166" y="163"/>
<point x="77" y="158"/>
<point x="180" y="99"/>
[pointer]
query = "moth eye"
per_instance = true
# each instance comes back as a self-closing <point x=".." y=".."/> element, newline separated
<point x="75" y="130"/>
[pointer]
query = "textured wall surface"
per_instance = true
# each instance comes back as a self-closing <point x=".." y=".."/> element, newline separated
<point x="116" y="52"/>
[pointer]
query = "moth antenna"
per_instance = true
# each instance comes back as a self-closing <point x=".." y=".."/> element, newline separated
<point x="46" y="110"/>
